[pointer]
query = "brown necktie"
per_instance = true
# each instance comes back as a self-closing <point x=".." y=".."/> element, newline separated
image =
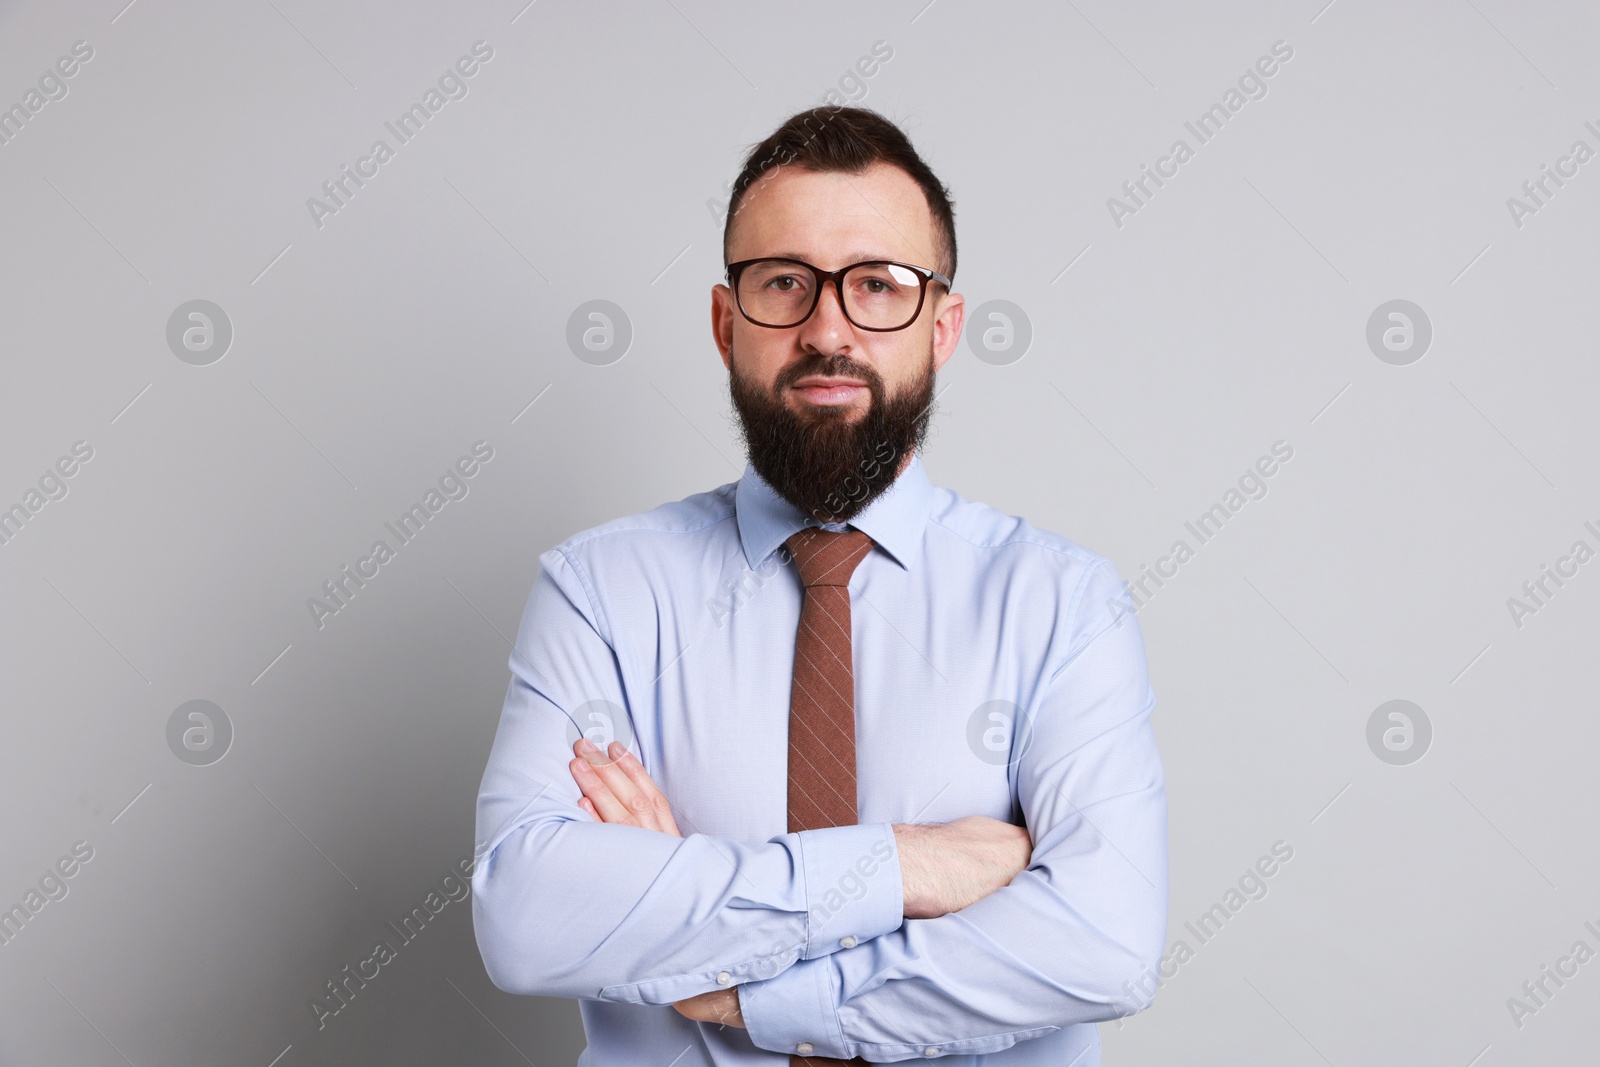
<point x="822" y="706"/>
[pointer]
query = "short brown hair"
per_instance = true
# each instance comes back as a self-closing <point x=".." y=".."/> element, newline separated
<point x="846" y="140"/>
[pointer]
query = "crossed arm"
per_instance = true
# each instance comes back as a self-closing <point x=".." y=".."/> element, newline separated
<point x="943" y="868"/>
<point x="999" y="956"/>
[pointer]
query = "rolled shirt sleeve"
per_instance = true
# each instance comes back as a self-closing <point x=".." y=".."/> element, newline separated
<point x="1066" y="941"/>
<point x="566" y="906"/>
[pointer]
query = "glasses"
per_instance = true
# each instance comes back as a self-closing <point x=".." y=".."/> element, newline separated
<point x="878" y="295"/>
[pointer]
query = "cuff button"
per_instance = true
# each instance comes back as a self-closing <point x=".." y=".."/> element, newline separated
<point x="804" y="1048"/>
<point x="848" y="941"/>
<point x="931" y="1050"/>
<point x="723" y="977"/>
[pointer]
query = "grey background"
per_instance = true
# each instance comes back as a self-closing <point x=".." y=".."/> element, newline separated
<point x="1229" y="313"/>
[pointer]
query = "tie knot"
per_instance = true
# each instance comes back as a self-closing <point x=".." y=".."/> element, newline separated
<point x="828" y="557"/>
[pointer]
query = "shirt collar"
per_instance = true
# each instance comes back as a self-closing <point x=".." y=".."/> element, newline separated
<point x="895" y="520"/>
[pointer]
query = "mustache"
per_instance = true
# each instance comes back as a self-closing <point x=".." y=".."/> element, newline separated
<point x="835" y="366"/>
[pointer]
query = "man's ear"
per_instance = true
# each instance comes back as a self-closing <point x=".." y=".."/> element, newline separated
<point x="722" y="312"/>
<point x="947" y="323"/>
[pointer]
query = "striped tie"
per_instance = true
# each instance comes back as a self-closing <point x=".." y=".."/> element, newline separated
<point x="822" y="706"/>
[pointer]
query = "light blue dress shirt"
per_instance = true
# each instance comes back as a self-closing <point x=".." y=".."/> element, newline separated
<point x="999" y="671"/>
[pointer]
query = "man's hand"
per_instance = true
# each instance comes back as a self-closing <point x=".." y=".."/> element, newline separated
<point x="717" y="1006"/>
<point x="945" y="867"/>
<point x="616" y="788"/>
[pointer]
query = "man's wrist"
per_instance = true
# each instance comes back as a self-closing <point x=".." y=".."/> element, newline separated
<point x="798" y="1007"/>
<point x="853" y="886"/>
<point x="910" y="842"/>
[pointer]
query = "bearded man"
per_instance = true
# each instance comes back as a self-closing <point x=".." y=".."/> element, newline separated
<point x="828" y="764"/>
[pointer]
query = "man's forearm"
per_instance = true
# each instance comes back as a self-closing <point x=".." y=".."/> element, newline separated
<point x="572" y="908"/>
<point x="947" y="866"/>
<point x="1023" y="962"/>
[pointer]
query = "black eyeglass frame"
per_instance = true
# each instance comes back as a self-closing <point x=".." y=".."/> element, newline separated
<point x="823" y="277"/>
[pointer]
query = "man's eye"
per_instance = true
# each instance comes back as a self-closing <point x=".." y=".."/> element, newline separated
<point x="877" y="287"/>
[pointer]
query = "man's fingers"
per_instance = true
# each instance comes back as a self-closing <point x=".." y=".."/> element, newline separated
<point x="605" y="806"/>
<point x="606" y="769"/>
<point x="621" y="801"/>
<point x="630" y="765"/>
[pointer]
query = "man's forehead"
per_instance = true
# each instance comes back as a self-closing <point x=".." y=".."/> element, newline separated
<point x="880" y="213"/>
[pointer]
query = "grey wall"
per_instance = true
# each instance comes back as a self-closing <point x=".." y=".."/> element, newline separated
<point x="1168" y="349"/>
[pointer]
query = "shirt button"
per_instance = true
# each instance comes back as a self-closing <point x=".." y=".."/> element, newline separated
<point x="848" y="941"/>
<point x="931" y="1050"/>
<point x="723" y="977"/>
<point x="804" y="1048"/>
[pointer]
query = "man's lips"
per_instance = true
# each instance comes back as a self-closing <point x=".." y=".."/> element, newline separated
<point x="830" y="390"/>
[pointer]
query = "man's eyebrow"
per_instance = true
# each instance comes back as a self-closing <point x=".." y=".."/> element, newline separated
<point x="849" y="257"/>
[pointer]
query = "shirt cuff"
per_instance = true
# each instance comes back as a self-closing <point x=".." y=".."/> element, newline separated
<point x="796" y="1012"/>
<point x="853" y="886"/>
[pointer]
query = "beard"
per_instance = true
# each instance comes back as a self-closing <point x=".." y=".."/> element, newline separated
<point x="818" y="459"/>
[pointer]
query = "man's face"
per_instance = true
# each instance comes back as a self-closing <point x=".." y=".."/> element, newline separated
<point x="831" y="413"/>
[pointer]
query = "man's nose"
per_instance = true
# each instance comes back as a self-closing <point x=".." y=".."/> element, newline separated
<point x="828" y="318"/>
